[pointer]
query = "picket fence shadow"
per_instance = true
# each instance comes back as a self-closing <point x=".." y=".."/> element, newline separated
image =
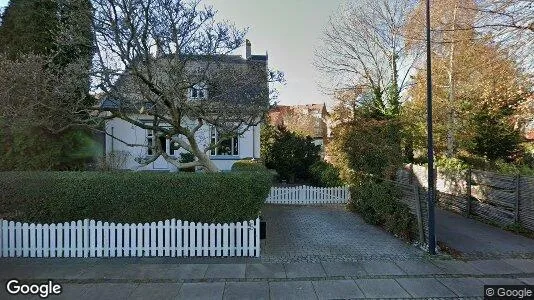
<point x="90" y="238"/>
<point x="306" y="195"/>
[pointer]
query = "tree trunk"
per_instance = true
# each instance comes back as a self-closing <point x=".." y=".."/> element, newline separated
<point x="451" y="114"/>
<point x="202" y="157"/>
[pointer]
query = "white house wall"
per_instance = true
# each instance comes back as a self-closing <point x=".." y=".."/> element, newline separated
<point x="126" y="133"/>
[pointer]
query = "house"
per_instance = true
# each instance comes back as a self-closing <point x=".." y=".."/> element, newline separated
<point x="133" y="146"/>
<point x="307" y="119"/>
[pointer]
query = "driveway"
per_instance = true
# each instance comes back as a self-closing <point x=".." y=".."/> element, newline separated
<point x="326" y="233"/>
<point x="475" y="239"/>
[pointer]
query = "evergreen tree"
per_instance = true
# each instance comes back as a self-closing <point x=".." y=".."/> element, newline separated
<point x="29" y="26"/>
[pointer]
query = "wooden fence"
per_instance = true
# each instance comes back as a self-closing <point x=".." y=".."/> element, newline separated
<point x="308" y="195"/>
<point x="499" y="198"/>
<point x="89" y="238"/>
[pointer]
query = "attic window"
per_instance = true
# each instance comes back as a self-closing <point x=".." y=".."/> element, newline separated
<point x="198" y="91"/>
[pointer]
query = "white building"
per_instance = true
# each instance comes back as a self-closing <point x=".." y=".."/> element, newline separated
<point x="132" y="142"/>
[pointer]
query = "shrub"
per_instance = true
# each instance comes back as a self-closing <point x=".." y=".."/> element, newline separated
<point x="324" y="174"/>
<point x="378" y="204"/>
<point x="248" y="166"/>
<point x="187" y="157"/>
<point x="132" y="196"/>
<point x="290" y="154"/>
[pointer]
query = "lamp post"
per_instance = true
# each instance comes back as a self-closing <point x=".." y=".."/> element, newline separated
<point x="430" y="142"/>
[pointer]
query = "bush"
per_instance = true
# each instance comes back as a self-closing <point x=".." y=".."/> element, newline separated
<point x="187" y="157"/>
<point x="248" y="166"/>
<point x="290" y="154"/>
<point x="132" y="196"/>
<point x="378" y="204"/>
<point x="324" y="174"/>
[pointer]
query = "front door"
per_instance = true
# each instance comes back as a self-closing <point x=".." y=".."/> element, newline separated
<point x="161" y="163"/>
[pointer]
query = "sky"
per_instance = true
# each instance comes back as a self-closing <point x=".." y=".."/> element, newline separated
<point x="289" y="30"/>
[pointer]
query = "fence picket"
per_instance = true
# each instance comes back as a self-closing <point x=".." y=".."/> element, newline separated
<point x="167" y="234"/>
<point x="146" y="239"/>
<point x="153" y="237"/>
<point x="139" y="243"/>
<point x="126" y="236"/>
<point x="38" y="247"/>
<point x="25" y="240"/>
<point x="232" y="239"/>
<point x="205" y="243"/>
<point x="80" y="245"/>
<point x="118" y="240"/>
<point x="186" y="238"/>
<point x="46" y="242"/>
<point x="199" y="239"/>
<point x="173" y="237"/>
<point x="98" y="245"/>
<point x="66" y="239"/>
<point x="31" y="250"/>
<point x="225" y="240"/>
<point x="239" y="241"/>
<point x="212" y="239"/>
<point x="59" y="240"/>
<point x="192" y="239"/>
<point x="159" y="228"/>
<point x="179" y="238"/>
<point x="52" y="234"/>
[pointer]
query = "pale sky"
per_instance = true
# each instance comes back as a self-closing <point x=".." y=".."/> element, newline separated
<point x="289" y="30"/>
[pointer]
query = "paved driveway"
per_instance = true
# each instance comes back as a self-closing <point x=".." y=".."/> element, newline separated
<point x="477" y="240"/>
<point x="326" y="233"/>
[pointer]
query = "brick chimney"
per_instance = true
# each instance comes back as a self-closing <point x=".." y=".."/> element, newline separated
<point x="248" y="49"/>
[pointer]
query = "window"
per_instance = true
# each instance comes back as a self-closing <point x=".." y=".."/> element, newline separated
<point x="198" y="91"/>
<point x="226" y="147"/>
<point x="149" y="139"/>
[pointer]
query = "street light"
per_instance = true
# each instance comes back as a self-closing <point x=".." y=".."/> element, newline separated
<point x="430" y="197"/>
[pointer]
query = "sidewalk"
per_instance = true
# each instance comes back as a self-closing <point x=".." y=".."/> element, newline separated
<point x="210" y="279"/>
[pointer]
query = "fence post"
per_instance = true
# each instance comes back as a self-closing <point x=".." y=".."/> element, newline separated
<point x="418" y="213"/>
<point x="468" y="196"/>
<point x="516" y="208"/>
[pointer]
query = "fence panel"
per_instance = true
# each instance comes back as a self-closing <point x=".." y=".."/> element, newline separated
<point x="306" y="195"/>
<point x="90" y="238"/>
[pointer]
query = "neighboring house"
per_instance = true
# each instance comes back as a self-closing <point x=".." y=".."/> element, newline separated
<point x="307" y="119"/>
<point x="130" y="141"/>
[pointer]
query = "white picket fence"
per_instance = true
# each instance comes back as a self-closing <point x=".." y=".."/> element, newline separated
<point x="308" y="195"/>
<point x="89" y="238"/>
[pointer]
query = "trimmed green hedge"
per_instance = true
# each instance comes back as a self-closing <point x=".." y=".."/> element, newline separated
<point x="324" y="174"/>
<point x="378" y="204"/>
<point x="132" y="196"/>
<point x="248" y="165"/>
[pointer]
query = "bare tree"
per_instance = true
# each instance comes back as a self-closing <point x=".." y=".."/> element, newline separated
<point x="150" y="55"/>
<point x="364" y="46"/>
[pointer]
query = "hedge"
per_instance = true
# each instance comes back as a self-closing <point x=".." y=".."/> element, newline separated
<point x="132" y="196"/>
<point x="248" y="165"/>
<point x="324" y="174"/>
<point x="378" y="204"/>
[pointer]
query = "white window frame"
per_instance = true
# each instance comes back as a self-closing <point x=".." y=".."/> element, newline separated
<point x="234" y="143"/>
<point x="198" y="88"/>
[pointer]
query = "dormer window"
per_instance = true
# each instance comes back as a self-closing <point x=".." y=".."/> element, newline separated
<point x="198" y="91"/>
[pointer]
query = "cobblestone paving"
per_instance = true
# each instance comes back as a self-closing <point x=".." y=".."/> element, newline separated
<point x="326" y="233"/>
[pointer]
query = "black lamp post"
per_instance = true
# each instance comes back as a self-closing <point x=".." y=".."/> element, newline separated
<point x="430" y="142"/>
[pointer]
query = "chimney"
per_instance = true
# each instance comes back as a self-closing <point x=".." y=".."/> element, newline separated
<point x="249" y="49"/>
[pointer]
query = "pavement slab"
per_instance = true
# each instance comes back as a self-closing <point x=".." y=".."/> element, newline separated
<point x="161" y="291"/>
<point x="525" y="265"/>
<point x="464" y="287"/>
<point x="494" y="266"/>
<point x="225" y="271"/>
<point x="496" y="281"/>
<point x="381" y="288"/>
<point x="265" y="271"/>
<point x="191" y="271"/>
<point x="344" y="269"/>
<point x="337" y="289"/>
<point x="529" y="280"/>
<point x="300" y="270"/>
<point x="246" y="291"/>
<point x="425" y="287"/>
<point x="116" y="291"/>
<point x="201" y="290"/>
<point x="382" y="268"/>
<point x="292" y="290"/>
<point x="457" y="267"/>
<point x="418" y="267"/>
